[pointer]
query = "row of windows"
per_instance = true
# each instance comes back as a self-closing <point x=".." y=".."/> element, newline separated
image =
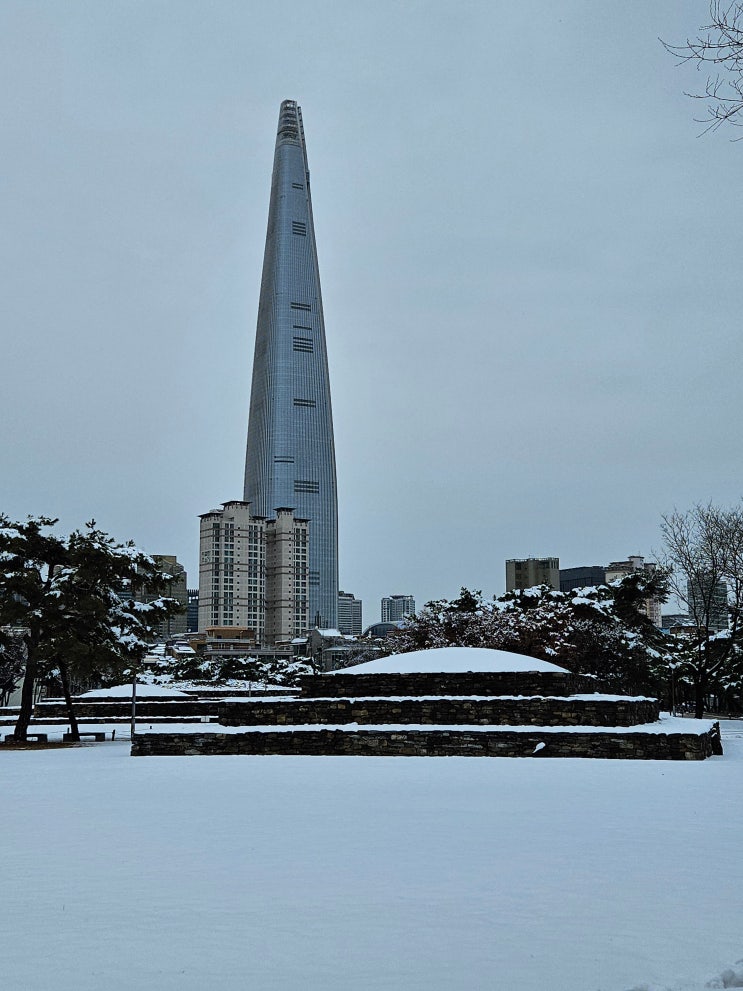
<point x="308" y="403"/>
<point x="303" y="344"/>
<point x="305" y="485"/>
<point x="300" y="228"/>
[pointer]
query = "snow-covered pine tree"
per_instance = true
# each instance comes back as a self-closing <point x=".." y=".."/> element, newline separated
<point x="70" y="602"/>
<point x="600" y="631"/>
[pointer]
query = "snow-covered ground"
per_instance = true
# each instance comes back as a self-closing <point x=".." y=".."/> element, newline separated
<point x="418" y="874"/>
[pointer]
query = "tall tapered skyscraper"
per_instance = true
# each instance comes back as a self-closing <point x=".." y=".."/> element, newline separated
<point x="290" y="460"/>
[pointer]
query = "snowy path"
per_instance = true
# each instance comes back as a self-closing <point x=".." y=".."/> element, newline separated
<point x="284" y="873"/>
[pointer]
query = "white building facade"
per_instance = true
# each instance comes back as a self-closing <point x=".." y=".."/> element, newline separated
<point x="350" y="620"/>
<point x="397" y="607"/>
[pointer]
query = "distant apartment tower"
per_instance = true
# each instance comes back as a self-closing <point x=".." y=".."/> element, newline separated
<point x="707" y="599"/>
<point x="530" y="571"/>
<point x="635" y="562"/>
<point x="584" y="577"/>
<point x="397" y="607"/>
<point x="174" y="588"/>
<point x="192" y="614"/>
<point x="349" y="614"/>
<point x="253" y="572"/>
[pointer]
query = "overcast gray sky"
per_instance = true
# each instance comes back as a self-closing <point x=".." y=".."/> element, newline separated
<point x="530" y="266"/>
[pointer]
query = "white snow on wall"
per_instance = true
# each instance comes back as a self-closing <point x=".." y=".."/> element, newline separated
<point x="125" y="692"/>
<point x="451" y="659"/>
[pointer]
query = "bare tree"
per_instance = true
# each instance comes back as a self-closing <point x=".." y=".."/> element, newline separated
<point x="718" y="51"/>
<point x="704" y="553"/>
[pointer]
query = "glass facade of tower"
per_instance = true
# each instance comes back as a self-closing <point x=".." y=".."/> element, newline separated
<point x="290" y="458"/>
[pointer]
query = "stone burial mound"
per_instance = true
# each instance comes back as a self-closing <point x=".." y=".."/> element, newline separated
<point x="449" y="701"/>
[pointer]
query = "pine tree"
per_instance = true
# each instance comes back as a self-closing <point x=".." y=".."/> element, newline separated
<point x="600" y="631"/>
<point x="71" y="602"/>
<point x="12" y="663"/>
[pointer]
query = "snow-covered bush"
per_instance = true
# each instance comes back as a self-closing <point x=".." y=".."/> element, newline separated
<point x="600" y="630"/>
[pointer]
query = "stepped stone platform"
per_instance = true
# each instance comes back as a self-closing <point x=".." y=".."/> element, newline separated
<point x="488" y="710"/>
<point x="452" y="701"/>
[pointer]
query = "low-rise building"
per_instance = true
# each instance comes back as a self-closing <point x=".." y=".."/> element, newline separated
<point x="530" y="571"/>
<point x="584" y="577"/>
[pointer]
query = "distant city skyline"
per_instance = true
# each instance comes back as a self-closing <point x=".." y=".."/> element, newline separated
<point x="531" y="312"/>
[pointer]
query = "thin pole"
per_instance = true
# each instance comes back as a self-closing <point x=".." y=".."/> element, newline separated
<point x="134" y="703"/>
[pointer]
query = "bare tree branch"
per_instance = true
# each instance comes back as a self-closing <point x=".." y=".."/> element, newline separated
<point x="717" y="50"/>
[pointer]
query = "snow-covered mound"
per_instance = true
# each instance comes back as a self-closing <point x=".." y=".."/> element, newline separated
<point x="452" y="659"/>
<point x="125" y="691"/>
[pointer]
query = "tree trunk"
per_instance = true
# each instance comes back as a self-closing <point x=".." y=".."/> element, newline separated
<point x="699" y="690"/>
<point x="27" y="698"/>
<point x="65" y="678"/>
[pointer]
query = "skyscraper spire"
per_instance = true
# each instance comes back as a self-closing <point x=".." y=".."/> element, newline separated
<point x="290" y="460"/>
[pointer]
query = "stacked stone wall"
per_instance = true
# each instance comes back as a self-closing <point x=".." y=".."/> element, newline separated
<point x="104" y="710"/>
<point x="345" y="685"/>
<point x="444" y="711"/>
<point x="434" y="743"/>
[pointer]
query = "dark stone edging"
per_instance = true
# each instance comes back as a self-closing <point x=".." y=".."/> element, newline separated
<point x="439" y="743"/>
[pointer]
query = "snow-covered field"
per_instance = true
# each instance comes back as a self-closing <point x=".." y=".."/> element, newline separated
<point x="284" y="873"/>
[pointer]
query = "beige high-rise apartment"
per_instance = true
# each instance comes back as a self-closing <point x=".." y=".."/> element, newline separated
<point x="254" y="572"/>
<point x="287" y="577"/>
